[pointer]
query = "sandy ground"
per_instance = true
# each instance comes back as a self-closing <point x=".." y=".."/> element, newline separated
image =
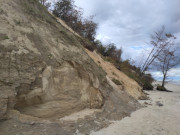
<point x="152" y="120"/>
<point x="80" y="115"/>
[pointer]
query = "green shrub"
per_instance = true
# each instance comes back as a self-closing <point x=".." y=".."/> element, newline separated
<point x="6" y="37"/>
<point x="161" y="88"/>
<point x="87" y="45"/>
<point x="17" y="22"/>
<point x="117" y="82"/>
<point x="3" y="36"/>
<point x="147" y="86"/>
<point x="1" y="11"/>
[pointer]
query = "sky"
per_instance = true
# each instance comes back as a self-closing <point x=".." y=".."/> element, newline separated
<point x="129" y="23"/>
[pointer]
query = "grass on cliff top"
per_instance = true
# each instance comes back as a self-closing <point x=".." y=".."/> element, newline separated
<point x="34" y="8"/>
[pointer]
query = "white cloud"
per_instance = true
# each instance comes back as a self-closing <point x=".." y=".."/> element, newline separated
<point x="173" y="73"/>
<point x="104" y="39"/>
<point x="128" y="22"/>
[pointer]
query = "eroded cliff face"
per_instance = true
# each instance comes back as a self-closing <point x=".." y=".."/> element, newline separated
<point x="43" y="63"/>
<point x="65" y="90"/>
<point x="127" y="84"/>
<point x="45" y="73"/>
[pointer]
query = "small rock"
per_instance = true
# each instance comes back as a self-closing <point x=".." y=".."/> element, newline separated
<point x="146" y="103"/>
<point x="32" y="123"/>
<point x="158" y="103"/>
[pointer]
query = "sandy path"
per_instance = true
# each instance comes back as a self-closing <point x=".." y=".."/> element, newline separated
<point x="152" y="120"/>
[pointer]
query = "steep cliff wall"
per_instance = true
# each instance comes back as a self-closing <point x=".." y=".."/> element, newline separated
<point x="42" y="62"/>
<point x="45" y="73"/>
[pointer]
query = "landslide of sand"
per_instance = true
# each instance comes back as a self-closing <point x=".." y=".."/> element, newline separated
<point x="128" y="84"/>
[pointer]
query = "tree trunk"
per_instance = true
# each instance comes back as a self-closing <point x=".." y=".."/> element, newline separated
<point x="164" y="78"/>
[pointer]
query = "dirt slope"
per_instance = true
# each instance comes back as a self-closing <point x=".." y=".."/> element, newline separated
<point x="45" y="74"/>
<point x="128" y="84"/>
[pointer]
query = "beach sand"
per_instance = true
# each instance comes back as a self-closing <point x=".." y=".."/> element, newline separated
<point x="153" y="119"/>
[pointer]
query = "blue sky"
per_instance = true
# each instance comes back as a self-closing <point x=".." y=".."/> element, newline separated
<point x="129" y="23"/>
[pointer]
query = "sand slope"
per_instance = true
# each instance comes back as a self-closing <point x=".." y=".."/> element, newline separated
<point x="128" y="84"/>
<point x="153" y="120"/>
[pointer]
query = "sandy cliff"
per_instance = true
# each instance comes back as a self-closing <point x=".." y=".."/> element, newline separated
<point x="45" y="74"/>
<point x="127" y="84"/>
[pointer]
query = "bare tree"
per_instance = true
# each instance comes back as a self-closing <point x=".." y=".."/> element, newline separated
<point x="159" y="42"/>
<point x="167" y="60"/>
<point x="89" y="29"/>
<point x="45" y="3"/>
<point x="64" y="9"/>
<point x="42" y="2"/>
<point x="118" y="54"/>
